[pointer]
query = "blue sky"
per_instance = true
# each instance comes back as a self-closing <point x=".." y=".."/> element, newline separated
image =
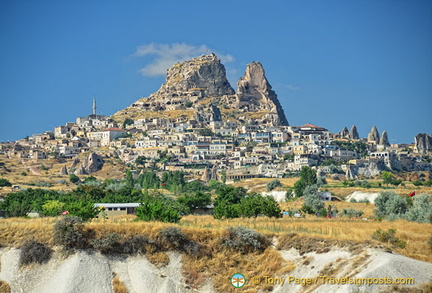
<point x="332" y="63"/>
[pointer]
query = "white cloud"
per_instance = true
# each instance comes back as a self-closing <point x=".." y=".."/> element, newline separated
<point x="167" y="55"/>
<point x="293" y="88"/>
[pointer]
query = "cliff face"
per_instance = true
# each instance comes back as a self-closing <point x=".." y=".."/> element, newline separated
<point x="423" y="143"/>
<point x="198" y="89"/>
<point x="255" y="94"/>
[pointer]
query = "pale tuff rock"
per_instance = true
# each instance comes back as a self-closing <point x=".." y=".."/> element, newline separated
<point x="344" y="133"/>
<point x="423" y="143"/>
<point x="255" y="93"/>
<point x="373" y="135"/>
<point x="205" y="73"/>
<point x="93" y="163"/>
<point x="384" y="139"/>
<point x="63" y="170"/>
<point x="80" y="171"/>
<point x="74" y="164"/>
<point x="198" y="89"/>
<point x="353" y="134"/>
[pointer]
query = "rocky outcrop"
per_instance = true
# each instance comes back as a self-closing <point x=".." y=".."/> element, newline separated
<point x="373" y="136"/>
<point x="384" y="139"/>
<point x="63" y="170"/>
<point x="344" y="133"/>
<point x="74" y="164"/>
<point x="353" y="134"/>
<point x="255" y="93"/>
<point x="423" y="143"/>
<point x="93" y="163"/>
<point x="199" y="90"/>
<point x="80" y="171"/>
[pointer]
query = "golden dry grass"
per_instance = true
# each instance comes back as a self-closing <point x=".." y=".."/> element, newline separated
<point x="4" y="287"/>
<point x="118" y="286"/>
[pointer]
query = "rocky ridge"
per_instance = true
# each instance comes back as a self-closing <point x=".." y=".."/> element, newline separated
<point x="199" y="90"/>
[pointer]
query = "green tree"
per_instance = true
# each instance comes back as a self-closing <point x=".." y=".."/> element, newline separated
<point x="391" y="204"/>
<point x="307" y="177"/>
<point x="52" y="208"/>
<point x="157" y="209"/>
<point x="312" y="200"/>
<point x="126" y="122"/>
<point x="255" y="204"/>
<point x="205" y="132"/>
<point x="273" y="184"/>
<point x="83" y="209"/>
<point x="421" y="211"/>
<point x="74" y="178"/>
<point x="387" y="177"/>
<point x="195" y="201"/>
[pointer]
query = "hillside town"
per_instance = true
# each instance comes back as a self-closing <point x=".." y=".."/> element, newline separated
<point x="224" y="148"/>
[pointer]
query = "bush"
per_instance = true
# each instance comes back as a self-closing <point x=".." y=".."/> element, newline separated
<point x="34" y="252"/>
<point x="388" y="237"/>
<point x="74" y="178"/>
<point x="135" y="245"/>
<point x="390" y="203"/>
<point x="273" y="184"/>
<point x="174" y="238"/>
<point x="244" y="240"/>
<point x="69" y="233"/>
<point x="5" y="182"/>
<point x="109" y="244"/>
<point x="421" y="211"/>
<point x="351" y="213"/>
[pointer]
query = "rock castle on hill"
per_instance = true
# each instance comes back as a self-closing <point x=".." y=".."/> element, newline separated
<point x="197" y="123"/>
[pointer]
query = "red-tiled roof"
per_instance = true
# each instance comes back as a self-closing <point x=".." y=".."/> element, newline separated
<point x="311" y="126"/>
<point x="113" y="129"/>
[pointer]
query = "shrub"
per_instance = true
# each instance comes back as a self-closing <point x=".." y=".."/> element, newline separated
<point x="273" y="184"/>
<point x="34" y="252"/>
<point x="74" y="178"/>
<point x="388" y="237"/>
<point x="135" y="245"/>
<point x="418" y="183"/>
<point x="390" y="203"/>
<point x="4" y="182"/>
<point x="174" y="238"/>
<point x="421" y="211"/>
<point x="351" y="213"/>
<point x="244" y="240"/>
<point x="4" y="287"/>
<point x="109" y="244"/>
<point x="69" y="233"/>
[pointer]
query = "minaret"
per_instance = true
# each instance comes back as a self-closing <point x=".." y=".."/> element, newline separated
<point x="94" y="106"/>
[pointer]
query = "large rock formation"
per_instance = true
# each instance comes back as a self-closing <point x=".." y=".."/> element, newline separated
<point x="93" y="163"/>
<point x="344" y="133"/>
<point x="353" y="134"/>
<point x="384" y="139"/>
<point x="255" y="94"/>
<point x="423" y="143"/>
<point x="373" y="135"/>
<point x="199" y="90"/>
